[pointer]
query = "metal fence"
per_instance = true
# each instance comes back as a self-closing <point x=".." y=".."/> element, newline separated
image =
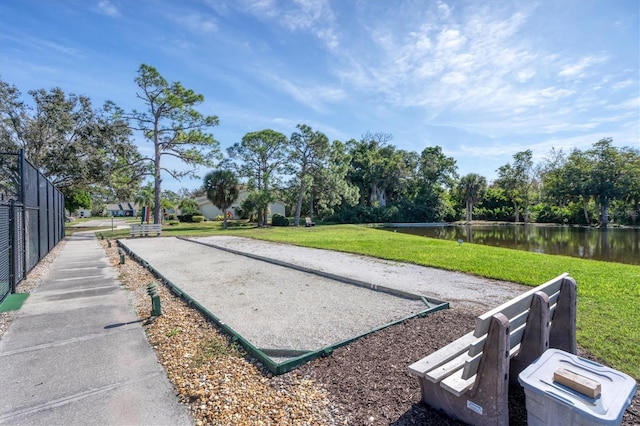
<point x="31" y="219"/>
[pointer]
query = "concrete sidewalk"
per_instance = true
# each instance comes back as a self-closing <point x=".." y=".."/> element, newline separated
<point x="77" y="354"/>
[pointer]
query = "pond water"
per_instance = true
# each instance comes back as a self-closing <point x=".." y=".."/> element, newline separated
<point x="612" y="245"/>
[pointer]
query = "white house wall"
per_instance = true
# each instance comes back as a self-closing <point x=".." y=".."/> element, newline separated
<point x="211" y="212"/>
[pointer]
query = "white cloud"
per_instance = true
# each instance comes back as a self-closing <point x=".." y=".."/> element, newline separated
<point x="578" y="69"/>
<point x="450" y="40"/>
<point x="632" y="104"/>
<point x="42" y="44"/>
<point x="623" y="84"/>
<point x="525" y="75"/>
<point x="454" y="78"/>
<point x="476" y="55"/>
<point x="444" y="10"/>
<point x="312" y="96"/>
<point x="313" y="16"/>
<point x="107" y="8"/>
<point x="197" y="23"/>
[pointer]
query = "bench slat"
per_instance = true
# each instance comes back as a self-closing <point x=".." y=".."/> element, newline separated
<point x="456" y="384"/>
<point x="144" y="229"/>
<point x="445" y="370"/>
<point x="441" y="356"/>
<point x="514" y="324"/>
<point x="471" y="366"/>
<point x="516" y="305"/>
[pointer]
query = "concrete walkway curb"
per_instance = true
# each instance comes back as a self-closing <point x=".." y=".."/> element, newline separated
<point x="77" y="354"/>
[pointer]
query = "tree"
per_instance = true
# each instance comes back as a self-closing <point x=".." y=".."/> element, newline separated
<point x="331" y="186"/>
<point x="94" y="145"/>
<point x="437" y="174"/>
<point x="376" y="168"/>
<point x="174" y="126"/>
<point x="74" y="200"/>
<point x="145" y="197"/>
<point x="309" y="151"/>
<point x="472" y="188"/>
<point x="576" y="181"/>
<point x="630" y="182"/>
<point x="606" y="176"/>
<point x="189" y="206"/>
<point x="222" y="189"/>
<point x="263" y="157"/>
<point x="516" y="180"/>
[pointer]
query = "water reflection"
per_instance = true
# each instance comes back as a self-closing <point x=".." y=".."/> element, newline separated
<point x="612" y="245"/>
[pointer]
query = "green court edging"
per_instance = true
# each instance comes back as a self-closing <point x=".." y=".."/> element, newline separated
<point x="13" y="302"/>
<point x="261" y="354"/>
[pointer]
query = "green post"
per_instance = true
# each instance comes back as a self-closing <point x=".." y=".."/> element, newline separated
<point x="155" y="300"/>
<point x="121" y="253"/>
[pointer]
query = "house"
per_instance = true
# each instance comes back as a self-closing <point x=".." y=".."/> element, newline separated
<point x="211" y="212"/>
<point x="83" y="213"/>
<point x="121" y="209"/>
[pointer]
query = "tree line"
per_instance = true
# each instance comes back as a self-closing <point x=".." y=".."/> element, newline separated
<point x="90" y="155"/>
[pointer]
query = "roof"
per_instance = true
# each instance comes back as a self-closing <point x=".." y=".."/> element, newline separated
<point x="122" y="206"/>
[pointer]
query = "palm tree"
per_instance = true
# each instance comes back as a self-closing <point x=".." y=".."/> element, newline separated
<point x="145" y="197"/>
<point x="221" y="187"/>
<point x="472" y="188"/>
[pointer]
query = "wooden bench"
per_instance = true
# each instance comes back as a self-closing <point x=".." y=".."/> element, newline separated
<point x="146" y="229"/>
<point x="308" y="222"/>
<point x="469" y="378"/>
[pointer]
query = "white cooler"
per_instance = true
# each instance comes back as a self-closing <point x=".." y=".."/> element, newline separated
<point x="585" y="393"/>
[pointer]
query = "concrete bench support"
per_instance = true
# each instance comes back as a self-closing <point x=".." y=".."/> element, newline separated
<point x="469" y="378"/>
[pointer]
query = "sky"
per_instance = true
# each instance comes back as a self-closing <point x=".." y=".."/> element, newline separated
<point x="481" y="79"/>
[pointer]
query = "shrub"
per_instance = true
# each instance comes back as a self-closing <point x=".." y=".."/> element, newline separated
<point x="279" y="220"/>
<point x="174" y="222"/>
<point x="171" y="216"/>
<point x="197" y="219"/>
<point x="219" y="217"/>
<point x="185" y="218"/>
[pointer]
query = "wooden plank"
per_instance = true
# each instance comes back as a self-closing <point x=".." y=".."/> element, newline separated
<point x="441" y="356"/>
<point x="445" y="370"/>
<point x="517" y="304"/>
<point x="456" y="384"/>
<point x="577" y="382"/>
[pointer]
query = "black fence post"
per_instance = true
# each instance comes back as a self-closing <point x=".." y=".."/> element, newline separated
<point x="12" y="246"/>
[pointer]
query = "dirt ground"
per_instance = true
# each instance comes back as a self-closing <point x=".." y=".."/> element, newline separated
<point x="368" y="378"/>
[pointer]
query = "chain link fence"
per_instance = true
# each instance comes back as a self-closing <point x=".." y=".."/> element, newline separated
<point x="31" y="219"/>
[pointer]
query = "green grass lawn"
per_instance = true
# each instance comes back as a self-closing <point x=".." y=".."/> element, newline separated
<point x="608" y="293"/>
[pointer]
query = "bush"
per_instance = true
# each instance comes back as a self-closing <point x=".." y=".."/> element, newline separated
<point x="174" y="222"/>
<point x="219" y="217"/>
<point x="279" y="220"/>
<point x="171" y="216"/>
<point x="186" y="218"/>
<point x="197" y="219"/>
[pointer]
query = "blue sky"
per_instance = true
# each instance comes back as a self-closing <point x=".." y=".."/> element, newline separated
<point x="483" y="80"/>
